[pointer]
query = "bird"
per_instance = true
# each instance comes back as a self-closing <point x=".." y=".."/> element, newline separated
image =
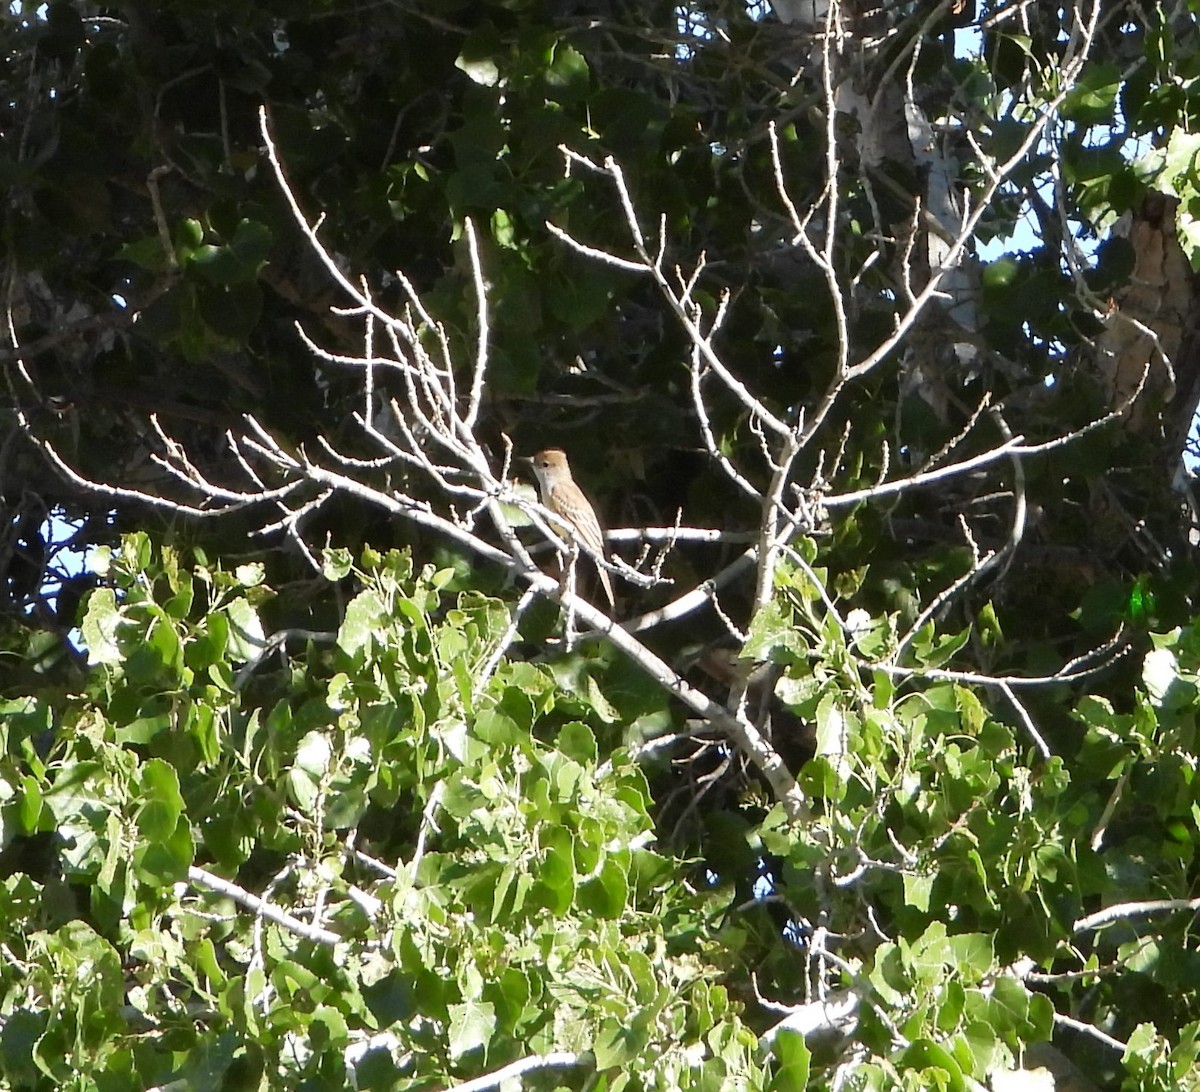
<point x="566" y="500"/>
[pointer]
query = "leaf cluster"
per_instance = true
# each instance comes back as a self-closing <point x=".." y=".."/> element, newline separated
<point x="478" y="887"/>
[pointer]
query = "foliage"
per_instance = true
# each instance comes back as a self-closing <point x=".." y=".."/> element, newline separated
<point x="874" y="331"/>
<point x="511" y="902"/>
<point x="467" y="871"/>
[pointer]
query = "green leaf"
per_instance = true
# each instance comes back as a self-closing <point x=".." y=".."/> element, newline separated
<point x="166" y="861"/>
<point x="971" y="710"/>
<point x="493" y="727"/>
<point x="792" y="1062"/>
<point x="601" y="706"/>
<point x="162" y="804"/>
<point x="247" y="639"/>
<point x="239" y="261"/>
<point x="567" y="75"/>
<point x="147" y="253"/>
<point x="472" y="1025"/>
<point x="100" y="625"/>
<point x="477" y="58"/>
<point x="917" y="891"/>
<point x="1094" y="96"/>
<point x="577" y="741"/>
<point x="973" y="956"/>
<point x="605" y="895"/>
<point x="556" y="877"/>
<point x="831" y="728"/>
<point x="935" y="1063"/>
<point x="617" y="1045"/>
<point x="987" y="625"/>
<point x="1000" y="273"/>
<point x="189" y="234"/>
<point x="336" y="564"/>
<point x="364" y="618"/>
<point x="329" y="1029"/>
<point x="935" y="650"/>
<point x="1012" y="998"/>
<point x="180" y="604"/>
<point x="314" y="754"/>
<point x="1041" y="1018"/>
<point x="1160" y="675"/>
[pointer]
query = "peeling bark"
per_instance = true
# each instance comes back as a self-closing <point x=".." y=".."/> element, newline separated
<point x="1152" y="320"/>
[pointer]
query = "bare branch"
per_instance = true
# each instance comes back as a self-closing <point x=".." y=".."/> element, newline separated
<point x="559" y="1059"/>
<point x="262" y="908"/>
<point x="1125" y="910"/>
<point x="481" y="355"/>
<point x="1092" y="1031"/>
<point x="887" y="489"/>
<point x="1026" y="719"/>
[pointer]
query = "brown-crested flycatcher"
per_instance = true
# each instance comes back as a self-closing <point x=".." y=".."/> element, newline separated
<point x="566" y="500"/>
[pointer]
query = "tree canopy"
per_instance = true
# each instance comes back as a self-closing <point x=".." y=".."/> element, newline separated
<point x="870" y="329"/>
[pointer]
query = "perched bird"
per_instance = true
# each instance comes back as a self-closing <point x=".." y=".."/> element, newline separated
<point x="566" y="500"/>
